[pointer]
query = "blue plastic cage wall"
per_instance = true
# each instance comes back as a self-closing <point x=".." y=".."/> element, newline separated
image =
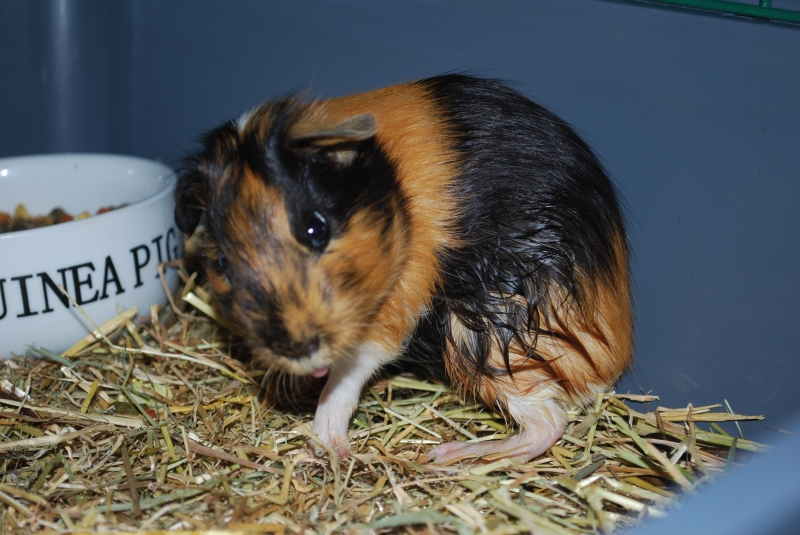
<point x="695" y="115"/>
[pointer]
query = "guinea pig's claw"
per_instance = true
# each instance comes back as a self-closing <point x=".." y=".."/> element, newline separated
<point x="340" y="447"/>
<point x="344" y="452"/>
<point x="448" y="452"/>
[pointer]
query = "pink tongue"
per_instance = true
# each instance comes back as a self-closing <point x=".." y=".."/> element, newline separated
<point x="322" y="372"/>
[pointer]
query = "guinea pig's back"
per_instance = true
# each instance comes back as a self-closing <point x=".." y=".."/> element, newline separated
<point x="544" y="229"/>
<point x="521" y="166"/>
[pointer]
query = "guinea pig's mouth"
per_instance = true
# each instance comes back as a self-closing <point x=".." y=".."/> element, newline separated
<point x="312" y="366"/>
<point x="320" y="373"/>
<point x="316" y="364"/>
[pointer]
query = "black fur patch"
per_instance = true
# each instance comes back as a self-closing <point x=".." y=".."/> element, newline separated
<point x="537" y="207"/>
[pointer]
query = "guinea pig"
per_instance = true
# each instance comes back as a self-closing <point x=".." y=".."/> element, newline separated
<point x="450" y="222"/>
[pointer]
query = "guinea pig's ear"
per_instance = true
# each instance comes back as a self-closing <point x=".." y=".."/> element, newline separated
<point x="310" y="137"/>
<point x="190" y="200"/>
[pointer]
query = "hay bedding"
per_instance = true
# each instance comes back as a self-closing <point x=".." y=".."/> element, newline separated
<point x="157" y="427"/>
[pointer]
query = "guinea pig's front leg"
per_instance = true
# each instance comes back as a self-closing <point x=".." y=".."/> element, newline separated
<point x="340" y="396"/>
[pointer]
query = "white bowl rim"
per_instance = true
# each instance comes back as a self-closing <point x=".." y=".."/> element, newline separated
<point x="171" y="178"/>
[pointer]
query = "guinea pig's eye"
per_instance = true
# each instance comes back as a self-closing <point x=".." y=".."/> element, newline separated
<point x="223" y="262"/>
<point x="317" y="232"/>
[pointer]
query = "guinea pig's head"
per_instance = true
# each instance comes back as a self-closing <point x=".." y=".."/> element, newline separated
<point x="305" y="229"/>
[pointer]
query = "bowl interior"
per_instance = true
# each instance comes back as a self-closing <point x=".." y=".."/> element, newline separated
<point x="77" y="182"/>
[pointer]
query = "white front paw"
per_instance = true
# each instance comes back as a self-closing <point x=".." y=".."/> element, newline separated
<point x="336" y="441"/>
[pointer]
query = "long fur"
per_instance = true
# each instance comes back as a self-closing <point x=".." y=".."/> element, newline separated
<point x="545" y="253"/>
<point x="465" y="230"/>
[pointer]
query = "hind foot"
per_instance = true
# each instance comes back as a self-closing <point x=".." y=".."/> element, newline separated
<point x="523" y="447"/>
<point x="542" y="422"/>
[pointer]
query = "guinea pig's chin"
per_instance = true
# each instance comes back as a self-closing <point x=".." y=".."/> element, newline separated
<point x="304" y="366"/>
<point x="295" y="366"/>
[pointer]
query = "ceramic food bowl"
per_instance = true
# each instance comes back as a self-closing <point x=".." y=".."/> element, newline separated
<point x="106" y="262"/>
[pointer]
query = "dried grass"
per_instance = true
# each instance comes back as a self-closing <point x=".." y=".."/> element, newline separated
<point x="157" y="427"/>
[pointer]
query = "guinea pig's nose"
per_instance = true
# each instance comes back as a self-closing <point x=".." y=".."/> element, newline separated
<point x="302" y="349"/>
<point x="312" y="346"/>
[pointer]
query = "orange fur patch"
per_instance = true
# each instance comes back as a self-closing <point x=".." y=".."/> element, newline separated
<point x="418" y="144"/>
<point x="591" y="348"/>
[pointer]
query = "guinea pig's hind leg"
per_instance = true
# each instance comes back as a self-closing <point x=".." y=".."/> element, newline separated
<point x="340" y="396"/>
<point x="541" y="421"/>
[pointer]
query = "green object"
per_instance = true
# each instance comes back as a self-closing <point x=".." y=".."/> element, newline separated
<point x="419" y="517"/>
<point x="763" y="10"/>
<point x="586" y="470"/>
<point x="731" y="454"/>
<point x="55" y="357"/>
